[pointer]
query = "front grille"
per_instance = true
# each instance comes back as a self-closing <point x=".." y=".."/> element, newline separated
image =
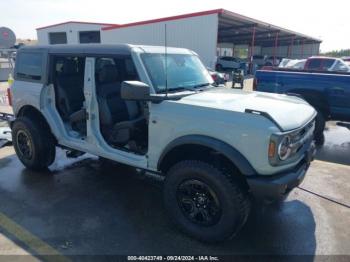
<point x="301" y="136"/>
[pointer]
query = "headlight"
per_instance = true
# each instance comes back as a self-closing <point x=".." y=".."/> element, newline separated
<point x="284" y="149"/>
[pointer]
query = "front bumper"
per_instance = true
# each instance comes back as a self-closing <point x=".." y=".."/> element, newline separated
<point x="277" y="187"/>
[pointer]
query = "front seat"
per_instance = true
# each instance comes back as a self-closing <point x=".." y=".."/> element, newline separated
<point x="120" y="120"/>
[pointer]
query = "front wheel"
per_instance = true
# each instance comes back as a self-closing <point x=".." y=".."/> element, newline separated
<point x="33" y="143"/>
<point x="204" y="201"/>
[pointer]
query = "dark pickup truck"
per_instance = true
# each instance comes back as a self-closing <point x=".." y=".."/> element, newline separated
<point x="327" y="92"/>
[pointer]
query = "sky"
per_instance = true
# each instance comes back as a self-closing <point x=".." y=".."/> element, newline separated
<point x="324" y="19"/>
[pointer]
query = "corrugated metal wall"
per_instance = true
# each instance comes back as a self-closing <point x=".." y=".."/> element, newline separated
<point x="196" y="33"/>
<point x="296" y="52"/>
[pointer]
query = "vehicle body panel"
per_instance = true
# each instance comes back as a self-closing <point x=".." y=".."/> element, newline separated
<point x="222" y="122"/>
<point x="333" y="88"/>
<point x="298" y="111"/>
<point x="228" y="62"/>
<point x="326" y="64"/>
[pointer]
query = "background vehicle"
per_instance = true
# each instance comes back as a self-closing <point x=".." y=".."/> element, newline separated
<point x="259" y="60"/>
<point x="293" y="63"/>
<point x="328" y="93"/>
<point x="346" y="59"/>
<point x="216" y="147"/>
<point x="326" y="64"/>
<point x="219" y="78"/>
<point x="5" y="131"/>
<point x="5" y="134"/>
<point x="273" y="61"/>
<point x="227" y="62"/>
<point x="237" y="77"/>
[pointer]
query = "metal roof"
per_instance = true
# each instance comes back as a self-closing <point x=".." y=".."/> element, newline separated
<point x="237" y="28"/>
<point x="76" y="22"/>
<point x="164" y="19"/>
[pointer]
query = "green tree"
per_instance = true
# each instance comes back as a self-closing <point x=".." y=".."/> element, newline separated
<point x="337" y="53"/>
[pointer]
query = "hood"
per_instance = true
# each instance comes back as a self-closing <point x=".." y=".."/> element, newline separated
<point x="288" y="111"/>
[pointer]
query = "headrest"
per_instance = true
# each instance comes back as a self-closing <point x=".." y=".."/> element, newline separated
<point x="108" y="74"/>
<point x="69" y="68"/>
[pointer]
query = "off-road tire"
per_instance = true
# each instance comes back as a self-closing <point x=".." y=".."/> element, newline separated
<point x="41" y="141"/>
<point x="235" y="202"/>
<point x="319" y="128"/>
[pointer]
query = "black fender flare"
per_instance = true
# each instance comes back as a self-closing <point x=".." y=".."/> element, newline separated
<point x="223" y="148"/>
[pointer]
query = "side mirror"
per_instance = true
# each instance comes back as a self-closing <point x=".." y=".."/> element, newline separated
<point x="139" y="91"/>
<point x="135" y="90"/>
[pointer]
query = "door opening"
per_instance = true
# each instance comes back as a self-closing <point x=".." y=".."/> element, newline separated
<point x="123" y="124"/>
<point x="68" y="80"/>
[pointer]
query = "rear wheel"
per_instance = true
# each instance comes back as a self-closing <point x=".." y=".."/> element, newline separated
<point x="204" y="202"/>
<point x="33" y="143"/>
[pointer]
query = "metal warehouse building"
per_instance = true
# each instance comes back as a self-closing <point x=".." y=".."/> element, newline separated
<point x="71" y="32"/>
<point x="210" y="33"/>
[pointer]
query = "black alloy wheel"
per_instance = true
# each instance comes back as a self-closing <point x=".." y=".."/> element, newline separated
<point x="199" y="203"/>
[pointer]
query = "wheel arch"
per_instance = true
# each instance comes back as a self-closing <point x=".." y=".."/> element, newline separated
<point x="34" y="114"/>
<point x="204" y="147"/>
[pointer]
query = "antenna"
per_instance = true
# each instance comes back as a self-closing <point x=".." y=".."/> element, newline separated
<point x="166" y="61"/>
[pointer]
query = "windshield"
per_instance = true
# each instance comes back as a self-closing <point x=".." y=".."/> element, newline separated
<point x="183" y="72"/>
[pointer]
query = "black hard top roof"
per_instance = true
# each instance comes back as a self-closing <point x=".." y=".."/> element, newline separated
<point x="117" y="49"/>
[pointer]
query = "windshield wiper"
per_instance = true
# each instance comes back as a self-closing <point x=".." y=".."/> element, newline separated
<point x="200" y="85"/>
<point x="179" y="88"/>
<point x="193" y="88"/>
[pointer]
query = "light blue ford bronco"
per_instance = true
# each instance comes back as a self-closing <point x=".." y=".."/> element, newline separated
<point x="217" y="148"/>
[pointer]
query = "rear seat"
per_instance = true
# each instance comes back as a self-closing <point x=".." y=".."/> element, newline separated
<point x="70" y="89"/>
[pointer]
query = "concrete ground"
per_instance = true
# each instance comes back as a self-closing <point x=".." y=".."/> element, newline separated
<point x="81" y="207"/>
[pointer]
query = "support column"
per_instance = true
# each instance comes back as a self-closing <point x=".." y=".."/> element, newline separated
<point x="252" y="50"/>
<point x="275" y="49"/>
<point x="290" y="53"/>
<point x="302" y="48"/>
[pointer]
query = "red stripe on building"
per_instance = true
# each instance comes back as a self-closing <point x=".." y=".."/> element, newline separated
<point x="164" y="19"/>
